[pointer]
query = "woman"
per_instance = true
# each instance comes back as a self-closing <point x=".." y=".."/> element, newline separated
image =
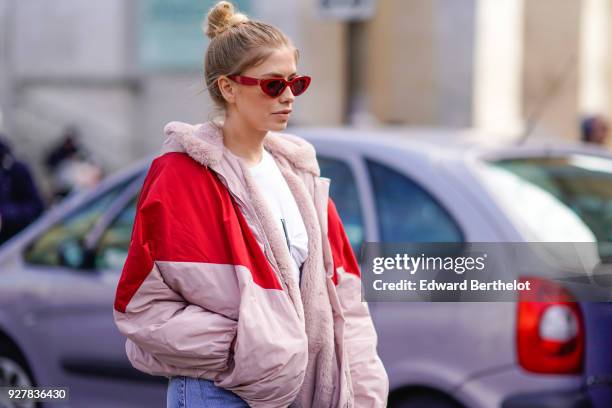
<point x="240" y="284"/>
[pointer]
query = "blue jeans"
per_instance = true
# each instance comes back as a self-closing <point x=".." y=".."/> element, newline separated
<point x="188" y="392"/>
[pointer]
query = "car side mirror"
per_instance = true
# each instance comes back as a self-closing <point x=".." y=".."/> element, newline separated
<point x="73" y="254"/>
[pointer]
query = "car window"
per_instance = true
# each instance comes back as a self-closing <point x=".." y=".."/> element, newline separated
<point x="570" y="197"/>
<point x="406" y="212"/>
<point x="112" y="249"/>
<point x="343" y="190"/>
<point x="71" y="230"/>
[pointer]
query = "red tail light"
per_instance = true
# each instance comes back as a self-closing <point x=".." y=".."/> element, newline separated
<point x="550" y="329"/>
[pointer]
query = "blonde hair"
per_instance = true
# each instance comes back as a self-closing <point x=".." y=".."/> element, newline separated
<point x="236" y="44"/>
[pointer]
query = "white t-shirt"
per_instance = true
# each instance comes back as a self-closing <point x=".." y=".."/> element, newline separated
<point x="279" y="198"/>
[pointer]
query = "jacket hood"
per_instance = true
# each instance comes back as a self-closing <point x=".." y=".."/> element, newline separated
<point x="204" y="143"/>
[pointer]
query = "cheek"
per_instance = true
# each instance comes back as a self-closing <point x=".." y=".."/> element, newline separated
<point x="256" y="106"/>
<point x="261" y="104"/>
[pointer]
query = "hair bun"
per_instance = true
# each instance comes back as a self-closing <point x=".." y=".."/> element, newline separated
<point x="221" y="17"/>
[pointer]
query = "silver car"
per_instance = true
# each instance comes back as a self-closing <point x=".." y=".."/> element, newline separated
<point x="58" y="277"/>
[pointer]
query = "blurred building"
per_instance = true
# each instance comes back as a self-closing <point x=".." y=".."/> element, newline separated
<point x="121" y="69"/>
<point x="500" y="65"/>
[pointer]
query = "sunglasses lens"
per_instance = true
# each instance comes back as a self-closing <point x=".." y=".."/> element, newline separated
<point x="299" y="86"/>
<point x="274" y="87"/>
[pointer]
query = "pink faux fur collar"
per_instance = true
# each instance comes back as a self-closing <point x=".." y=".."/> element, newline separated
<point x="204" y="143"/>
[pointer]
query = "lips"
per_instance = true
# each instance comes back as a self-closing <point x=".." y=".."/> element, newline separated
<point x="286" y="111"/>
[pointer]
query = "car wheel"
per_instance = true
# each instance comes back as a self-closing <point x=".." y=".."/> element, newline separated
<point x="423" y="399"/>
<point x="14" y="373"/>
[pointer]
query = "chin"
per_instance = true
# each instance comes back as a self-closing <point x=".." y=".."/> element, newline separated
<point x="278" y="126"/>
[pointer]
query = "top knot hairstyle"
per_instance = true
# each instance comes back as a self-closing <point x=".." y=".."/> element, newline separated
<point x="221" y="17"/>
<point x="236" y="44"/>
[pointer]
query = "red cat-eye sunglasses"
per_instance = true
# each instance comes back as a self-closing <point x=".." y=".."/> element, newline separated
<point x="275" y="86"/>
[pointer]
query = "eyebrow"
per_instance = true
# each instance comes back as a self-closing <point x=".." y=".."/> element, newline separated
<point x="276" y="74"/>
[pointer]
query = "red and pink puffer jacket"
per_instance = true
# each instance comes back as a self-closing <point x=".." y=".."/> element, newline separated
<point x="207" y="290"/>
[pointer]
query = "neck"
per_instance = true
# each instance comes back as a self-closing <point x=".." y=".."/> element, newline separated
<point x="243" y="140"/>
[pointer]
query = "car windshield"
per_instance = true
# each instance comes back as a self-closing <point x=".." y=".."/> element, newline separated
<point x="559" y="199"/>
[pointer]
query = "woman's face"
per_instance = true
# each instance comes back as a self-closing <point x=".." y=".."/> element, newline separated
<point x="259" y="110"/>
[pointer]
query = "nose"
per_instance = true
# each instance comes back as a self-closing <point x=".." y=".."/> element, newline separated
<point x="286" y="95"/>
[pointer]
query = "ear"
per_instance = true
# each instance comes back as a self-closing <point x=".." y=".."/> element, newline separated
<point x="227" y="89"/>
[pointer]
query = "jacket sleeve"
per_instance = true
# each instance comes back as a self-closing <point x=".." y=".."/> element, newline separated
<point x="369" y="378"/>
<point x="169" y="327"/>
